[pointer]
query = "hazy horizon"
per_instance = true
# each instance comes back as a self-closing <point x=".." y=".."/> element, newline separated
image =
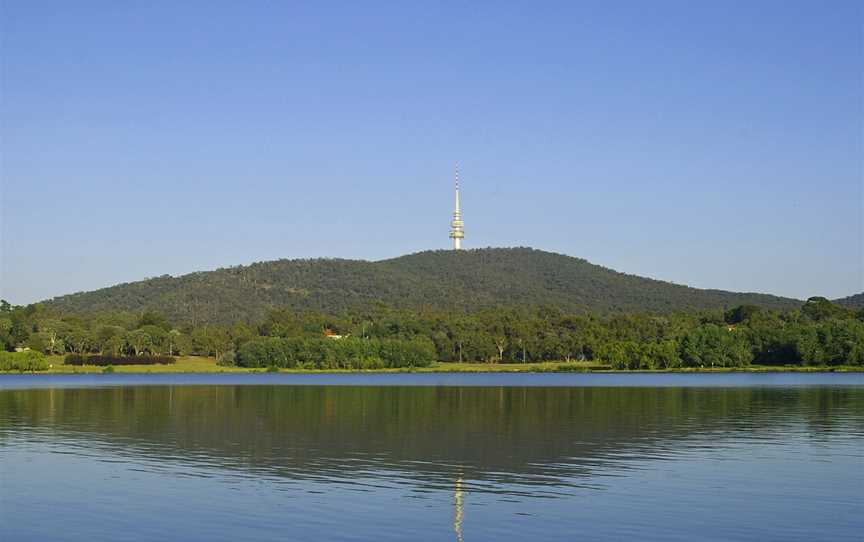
<point x="718" y="146"/>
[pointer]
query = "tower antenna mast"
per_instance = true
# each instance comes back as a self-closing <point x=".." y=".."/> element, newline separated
<point x="457" y="232"/>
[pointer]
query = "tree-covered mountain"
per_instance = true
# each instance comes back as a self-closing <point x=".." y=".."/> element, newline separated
<point x="466" y="281"/>
<point x="855" y="301"/>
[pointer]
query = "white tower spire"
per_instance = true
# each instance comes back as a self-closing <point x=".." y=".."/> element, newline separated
<point x="456" y="225"/>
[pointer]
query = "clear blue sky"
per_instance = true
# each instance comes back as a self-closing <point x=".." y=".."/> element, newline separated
<point x="716" y="144"/>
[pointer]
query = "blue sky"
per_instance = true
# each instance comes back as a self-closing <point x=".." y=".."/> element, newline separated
<point x="715" y="144"/>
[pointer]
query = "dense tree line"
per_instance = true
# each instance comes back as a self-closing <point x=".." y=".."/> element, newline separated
<point x="39" y="328"/>
<point x="467" y="281"/>
<point x="325" y="353"/>
<point x="819" y="333"/>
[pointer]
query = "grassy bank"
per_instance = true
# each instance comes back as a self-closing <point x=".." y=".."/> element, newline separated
<point x="198" y="364"/>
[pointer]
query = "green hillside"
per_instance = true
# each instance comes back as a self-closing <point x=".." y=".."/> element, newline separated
<point x="469" y="280"/>
<point x="852" y="302"/>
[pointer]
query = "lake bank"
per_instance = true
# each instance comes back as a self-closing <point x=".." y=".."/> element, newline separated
<point x="208" y="365"/>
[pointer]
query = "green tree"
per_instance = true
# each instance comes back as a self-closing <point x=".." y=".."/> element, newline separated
<point x="614" y="353"/>
<point x="819" y="309"/>
<point x="158" y="338"/>
<point x="140" y="342"/>
<point x="741" y="313"/>
<point x="714" y="346"/>
<point x="153" y="318"/>
<point x="663" y="355"/>
<point x="37" y="341"/>
<point x="103" y="337"/>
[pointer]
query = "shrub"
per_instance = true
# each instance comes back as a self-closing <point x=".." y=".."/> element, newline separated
<point x="104" y="361"/>
<point x="28" y="360"/>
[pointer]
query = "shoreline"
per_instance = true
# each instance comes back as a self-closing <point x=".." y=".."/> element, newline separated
<point x="201" y="365"/>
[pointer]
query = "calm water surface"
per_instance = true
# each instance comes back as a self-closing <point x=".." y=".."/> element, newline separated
<point x="432" y="457"/>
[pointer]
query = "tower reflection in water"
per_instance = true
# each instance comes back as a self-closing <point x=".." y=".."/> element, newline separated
<point x="459" y="510"/>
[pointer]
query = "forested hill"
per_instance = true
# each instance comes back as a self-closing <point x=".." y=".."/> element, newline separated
<point x="469" y="280"/>
<point x="852" y="302"/>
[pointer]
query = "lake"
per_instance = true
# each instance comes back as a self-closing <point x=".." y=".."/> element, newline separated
<point x="253" y="457"/>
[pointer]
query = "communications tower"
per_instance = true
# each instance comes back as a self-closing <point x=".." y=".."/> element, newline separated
<point x="457" y="233"/>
